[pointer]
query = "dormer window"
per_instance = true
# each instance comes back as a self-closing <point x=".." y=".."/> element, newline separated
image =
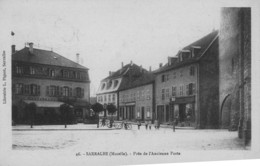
<point x="195" y="51"/>
<point x="115" y="83"/>
<point x="109" y="84"/>
<point x="103" y="86"/>
<point x="185" y="54"/>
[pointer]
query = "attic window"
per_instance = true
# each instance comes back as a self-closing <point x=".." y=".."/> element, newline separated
<point x="185" y="54"/>
<point x="115" y="83"/>
<point x="103" y="86"/>
<point x="195" y="50"/>
<point x="109" y="84"/>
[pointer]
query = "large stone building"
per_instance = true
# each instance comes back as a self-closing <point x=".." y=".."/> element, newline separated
<point x="136" y="96"/>
<point x="48" y="80"/>
<point x="187" y="87"/>
<point x="235" y="71"/>
<point x="126" y="89"/>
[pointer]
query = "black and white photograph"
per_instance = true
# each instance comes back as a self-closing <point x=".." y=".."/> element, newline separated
<point x="128" y="82"/>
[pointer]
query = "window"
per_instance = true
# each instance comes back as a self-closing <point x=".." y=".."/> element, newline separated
<point x="138" y="112"/>
<point x="109" y="84"/>
<point x="192" y="70"/>
<point x="77" y="75"/>
<point x="113" y="97"/>
<point x="52" y="91"/>
<point x="18" y="88"/>
<point x="105" y="98"/>
<point x="163" y="94"/>
<point x="137" y="95"/>
<point x="103" y="86"/>
<point x="27" y="89"/>
<point x="181" y="73"/>
<point x="148" y="113"/>
<point x="148" y="95"/>
<point x="115" y="83"/>
<point x="174" y="91"/>
<point x="181" y="90"/>
<point x="167" y="77"/>
<point x="52" y="73"/>
<point x="79" y="92"/>
<point x="66" y="91"/>
<point x="19" y="70"/>
<point x="167" y="94"/>
<point x="65" y="74"/>
<point x="109" y="98"/>
<point x="163" y="78"/>
<point x="32" y="70"/>
<point x="35" y="89"/>
<point x="174" y="74"/>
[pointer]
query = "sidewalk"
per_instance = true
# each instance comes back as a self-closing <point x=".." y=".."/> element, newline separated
<point x="79" y="126"/>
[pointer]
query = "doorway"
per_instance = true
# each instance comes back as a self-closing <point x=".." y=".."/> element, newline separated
<point x="142" y="113"/>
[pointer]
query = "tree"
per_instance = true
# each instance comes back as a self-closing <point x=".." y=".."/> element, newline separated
<point x="65" y="112"/>
<point x="31" y="108"/>
<point x="111" y="108"/>
<point x="97" y="108"/>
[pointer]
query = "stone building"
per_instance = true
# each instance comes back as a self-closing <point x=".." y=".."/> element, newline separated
<point x="117" y="89"/>
<point x="235" y="71"/>
<point x="136" y="97"/>
<point x="48" y="80"/>
<point x="187" y="86"/>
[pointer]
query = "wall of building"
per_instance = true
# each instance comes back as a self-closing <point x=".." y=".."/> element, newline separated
<point x="235" y="69"/>
<point x="209" y="88"/>
<point x="140" y="98"/>
<point x="107" y="98"/>
<point x="178" y="78"/>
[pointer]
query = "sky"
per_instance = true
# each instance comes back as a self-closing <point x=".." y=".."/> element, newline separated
<point x="106" y="33"/>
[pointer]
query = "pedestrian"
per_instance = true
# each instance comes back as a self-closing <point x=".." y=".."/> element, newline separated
<point x="139" y="124"/>
<point x="146" y="125"/>
<point x="150" y="125"/>
<point x="158" y="126"/>
<point x="155" y="124"/>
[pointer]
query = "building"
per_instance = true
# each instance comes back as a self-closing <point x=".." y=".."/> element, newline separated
<point x="187" y="87"/>
<point x="117" y="89"/>
<point x="235" y="71"/>
<point x="48" y="80"/>
<point x="136" y="96"/>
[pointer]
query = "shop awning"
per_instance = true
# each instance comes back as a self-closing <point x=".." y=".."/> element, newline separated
<point x="53" y="104"/>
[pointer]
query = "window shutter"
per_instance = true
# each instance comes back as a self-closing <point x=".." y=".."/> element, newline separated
<point x="70" y="91"/>
<point x="47" y="90"/>
<point x="187" y="89"/>
<point x="75" y="92"/>
<point x="57" y="91"/>
<point x="38" y="90"/>
<point x="61" y="91"/>
<point x="82" y="92"/>
<point x="194" y="88"/>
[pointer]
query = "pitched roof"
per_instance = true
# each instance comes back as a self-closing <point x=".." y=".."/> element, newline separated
<point x="132" y="82"/>
<point x="44" y="57"/>
<point x="132" y="76"/>
<point x="204" y="43"/>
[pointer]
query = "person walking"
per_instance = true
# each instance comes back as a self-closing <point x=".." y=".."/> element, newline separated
<point x="146" y="125"/>
<point x="139" y="124"/>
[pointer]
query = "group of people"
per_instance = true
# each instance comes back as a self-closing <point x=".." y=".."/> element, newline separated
<point x="148" y="124"/>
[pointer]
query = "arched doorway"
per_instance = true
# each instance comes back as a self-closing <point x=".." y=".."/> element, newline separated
<point x="225" y="112"/>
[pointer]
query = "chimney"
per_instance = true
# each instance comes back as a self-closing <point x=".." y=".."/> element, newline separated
<point x="31" y="48"/>
<point x="131" y="63"/>
<point x="150" y="69"/>
<point x="122" y="64"/>
<point x="160" y="65"/>
<point x="13" y="49"/>
<point x="141" y="68"/>
<point x="77" y="58"/>
<point x="169" y="61"/>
